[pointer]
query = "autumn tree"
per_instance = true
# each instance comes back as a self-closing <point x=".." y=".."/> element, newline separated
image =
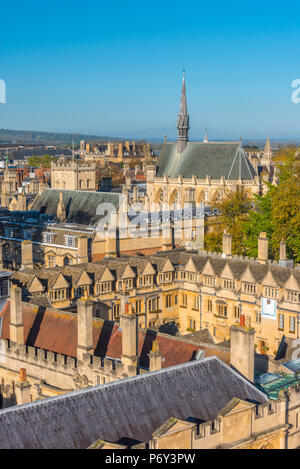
<point x="278" y="211"/>
<point x="233" y="211"/>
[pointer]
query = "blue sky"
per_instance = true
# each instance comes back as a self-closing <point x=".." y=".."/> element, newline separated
<point x="114" y="68"/>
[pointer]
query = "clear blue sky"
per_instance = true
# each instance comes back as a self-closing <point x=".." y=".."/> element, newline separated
<point x="114" y="67"/>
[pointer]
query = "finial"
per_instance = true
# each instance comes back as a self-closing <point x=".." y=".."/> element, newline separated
<point x="155" y="347"/>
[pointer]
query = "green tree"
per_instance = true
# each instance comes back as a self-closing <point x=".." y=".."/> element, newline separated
<point x="37" y="161"/>
<point x="278" y="211"/>
<point x="233" y="210"/>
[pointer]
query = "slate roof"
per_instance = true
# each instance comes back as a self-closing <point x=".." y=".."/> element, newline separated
<point x="178" y="258"/>
<point x="21" y="154"/>
<point x="202" y="159"/>
<point x="56" y="331"/>
<point x="131" y="408"/>
<point x="81" y="206"/>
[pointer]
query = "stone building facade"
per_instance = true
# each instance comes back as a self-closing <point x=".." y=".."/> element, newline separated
<point x="196" y="290"/>
<point x="199" y="172"/>
<point x="46" y="351"/>
<point x="67" y="227"/>
<point x="73" y="175"/>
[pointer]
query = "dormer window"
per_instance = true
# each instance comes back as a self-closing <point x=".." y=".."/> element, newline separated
<point x="209" y="280"/>
<point x="190" y="276"/>
<point x="104" y="287"/>
<point x="229" y="284"/>
<point x="126" y="283"/>
<point x="166" y="277"/>
<point x="271" y="292"/>
<point x="146" y="280"/>
<point x="48" y="237"/>
<point x="249" y="287"/>
<point x="70" y="241"/>
<point x="293" y="296"/>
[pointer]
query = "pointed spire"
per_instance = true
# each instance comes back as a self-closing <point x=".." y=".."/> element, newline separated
<point x="183" y="105"/>
<point x="182" y="120"/>
<point x="268" y="150"/>
<point x="205" y="138"/>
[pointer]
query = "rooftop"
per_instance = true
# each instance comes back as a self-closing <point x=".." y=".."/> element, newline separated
<point x="202" y="159"/>
<point x="130" y="408"/>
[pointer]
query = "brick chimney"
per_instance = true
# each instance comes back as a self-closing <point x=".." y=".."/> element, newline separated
<point x="242" y="348"/>
<point x="227" y="244"/>
<point x="262" y="255"/>
<point x="16" y="317"/>
<point x="84" y="327"/>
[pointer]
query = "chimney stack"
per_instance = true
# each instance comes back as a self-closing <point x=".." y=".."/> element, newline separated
<point x="22" y="388"/>
<point x="128" y="323"/>
<point x="242" y="348"/>
<point x="227" y="245"/>
<point x="167" y="237"/>
<point x="16" y="319"/>
<point x="262" y="255"/>
<point x="82" y="254"/>
<point x="155" y="357"/>
<point x="26" y="254"/>
<point x="282" y="248"/>
<point x="111" y="238"/>
<point x="283" y="261"/>
<point x="84" y="327"/>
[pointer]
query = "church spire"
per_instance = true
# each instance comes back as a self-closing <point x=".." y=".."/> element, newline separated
<point x="183" y="120"/>
<point x="268" y="150"/>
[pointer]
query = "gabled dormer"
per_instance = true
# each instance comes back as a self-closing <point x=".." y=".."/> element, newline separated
<point x="36" y="286"/>
<point x="146" y="278"/>
<point x="190" y="270"/>
<point x="126" y="280"/>
<point x="270" y="287"/>
<point x="209" y="275"/>
<point x="249" y="284"/>
<point x="84" y="279"/>
<point x="228" y="280"/>
<point x="105" y="282"/>
<point x="292" y="289"/>
<point x="60" y="288"/>
<point x="166" y="274"/>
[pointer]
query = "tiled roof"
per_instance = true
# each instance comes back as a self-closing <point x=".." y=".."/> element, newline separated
<point x="56" y="331"/>
<point x="131" y="408"/>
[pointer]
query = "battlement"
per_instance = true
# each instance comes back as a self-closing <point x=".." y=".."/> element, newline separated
<point x="58" y="362"/>
<point x="73" y="165"/>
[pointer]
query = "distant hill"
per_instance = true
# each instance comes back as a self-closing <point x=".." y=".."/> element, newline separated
<point x="31" y="136"/>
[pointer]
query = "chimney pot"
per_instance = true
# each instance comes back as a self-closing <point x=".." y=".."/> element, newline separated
<point x="23" y="375"/>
